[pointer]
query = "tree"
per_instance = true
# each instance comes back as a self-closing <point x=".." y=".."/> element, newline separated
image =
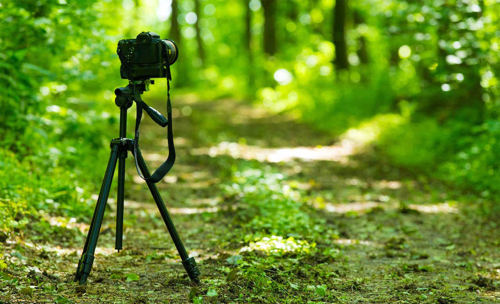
<point x="175" y="29"/>
<point x="339" y="39"/>
<point x="248" y="43"/>
<point x="269" y="7"/>
<point x="199" y="42"/>
<point x="362" y="44"/>
<point x="182" y="76"/>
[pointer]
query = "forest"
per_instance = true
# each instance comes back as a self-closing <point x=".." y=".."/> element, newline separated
<point x="328" y="151"/>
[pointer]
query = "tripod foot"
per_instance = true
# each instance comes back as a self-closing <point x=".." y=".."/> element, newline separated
<point x="192" y="269"/>
<point x="84" y="267"/>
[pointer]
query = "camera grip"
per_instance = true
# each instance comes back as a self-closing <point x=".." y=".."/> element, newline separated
<point x="156" y="116"/>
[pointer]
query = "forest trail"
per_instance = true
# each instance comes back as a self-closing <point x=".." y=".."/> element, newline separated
<point x="363" y="232"/>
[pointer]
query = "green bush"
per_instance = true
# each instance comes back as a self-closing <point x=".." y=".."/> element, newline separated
<point x="416" y="145"/>
<point x="476" y="165"/>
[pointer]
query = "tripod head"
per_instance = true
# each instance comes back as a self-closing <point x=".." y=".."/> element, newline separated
<point x="125" y="96"/>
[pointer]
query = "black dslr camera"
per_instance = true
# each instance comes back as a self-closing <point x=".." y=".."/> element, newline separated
<point x="146" y="57"/>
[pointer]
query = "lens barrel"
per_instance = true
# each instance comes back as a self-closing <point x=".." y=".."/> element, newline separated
<point x="172" y="50"/>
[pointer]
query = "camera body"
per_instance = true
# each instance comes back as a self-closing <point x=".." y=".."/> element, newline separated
<point x="146" y="57"/>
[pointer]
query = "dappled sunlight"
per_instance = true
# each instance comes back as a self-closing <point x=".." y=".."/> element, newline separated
<point x="370" y="130"/>
<point x="358" y="167"/>
<point x="173" y="179"/>
<point x="138" y="180"/>
<point x="211" y="201"/>
<point x="348" y="207"/>
<point x="363" y="207"/>
<point x="350" y="242"/>
<point x="191" y="210"/>
<point x="435" y="208"/>
<point x="350" y="143"/>
<point x="135" y="205"/>
<point x="279" y="245"/>
<point x="180" y="142"/>
<point x="65" y="222"/>
<point x="388" y="184"/>
<point x="154" y="157"/>
<point x="337" y="153"/>
<point x="62" y="251"/>
<point x="198" y="185"/>
<point x="105" y="250"/>
<point x="151" y="207"/>
<point x="127" y="203"/>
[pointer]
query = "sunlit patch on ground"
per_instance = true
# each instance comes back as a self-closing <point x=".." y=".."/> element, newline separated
<point x="338" y="153"/>
<point x="349" y="207"/>
<point x="154" y="157"/>
<point x="193" y="210"/>
<point x="130" y="204"/>
<point x="386" y="184"/>
<point x="70" y="223"/>
<point x="279" y="245"/>
<point x="197" y="201"/>
<point x="179" y="142"/>
<point x="436" y="208"/>
<point x="351" y="142"/>
<point x="61" y="251"/>
<point x="367" y="206"/>
<point x="351" y="242"/>
<point x="202" y="184"/>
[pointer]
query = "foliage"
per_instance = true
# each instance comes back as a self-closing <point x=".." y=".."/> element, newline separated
<point x="421" y="88"/>
<point x="476" y="165"/>
<point x="50" y="138"/>
<point x="273" y="218"/>
<point x="268" y="206"/>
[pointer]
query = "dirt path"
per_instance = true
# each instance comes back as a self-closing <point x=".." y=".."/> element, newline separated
<point x="274" y="212"/>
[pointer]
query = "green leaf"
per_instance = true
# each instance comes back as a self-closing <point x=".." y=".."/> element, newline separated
<point x="234" y="260"/>
<point x="132" y="277"/>
<point x="212" y="292"/>
<point x="321" y="290"/>
<point x="62" y="300"/>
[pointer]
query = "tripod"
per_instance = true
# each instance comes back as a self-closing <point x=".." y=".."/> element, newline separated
<point x="119" y="150"/>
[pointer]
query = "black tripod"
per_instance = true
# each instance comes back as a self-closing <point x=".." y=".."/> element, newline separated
<point x="119" y="149"/>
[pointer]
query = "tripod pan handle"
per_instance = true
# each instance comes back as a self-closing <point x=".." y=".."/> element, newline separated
<point x="156" y="115"/>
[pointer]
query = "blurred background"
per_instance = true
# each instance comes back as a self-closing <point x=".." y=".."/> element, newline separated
<point x="418" y="81"/>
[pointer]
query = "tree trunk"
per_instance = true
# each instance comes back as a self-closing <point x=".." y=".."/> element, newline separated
<point x="362" y="48"/>
<point x="316" y="27"/>
<point x="248" y="45"/>
<point x="199" y="42"/>
<point x="269" y="7"/>
<point x="248" y="25"/>
<point x="175" y="30"/>
<point x="339" y="20"/>
<point x="181" y="76"/>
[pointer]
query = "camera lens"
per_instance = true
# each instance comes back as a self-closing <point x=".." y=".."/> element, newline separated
<point x="172" y="50"/>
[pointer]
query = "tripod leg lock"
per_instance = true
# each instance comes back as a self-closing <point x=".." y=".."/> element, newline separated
<point x="192" y="269"/>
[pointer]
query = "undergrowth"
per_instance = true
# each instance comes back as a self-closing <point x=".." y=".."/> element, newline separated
<point x="281" y="238"/>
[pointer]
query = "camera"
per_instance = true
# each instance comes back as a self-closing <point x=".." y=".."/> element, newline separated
<point x="147" y="56"/>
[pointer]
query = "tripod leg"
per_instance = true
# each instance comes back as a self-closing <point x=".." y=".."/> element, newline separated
<point x="120" y="199"/>
<point x="189" y="263"/>
<point x="87" y="258"/>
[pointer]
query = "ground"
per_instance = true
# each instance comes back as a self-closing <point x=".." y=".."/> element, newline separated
<point x="274" y="212"/>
